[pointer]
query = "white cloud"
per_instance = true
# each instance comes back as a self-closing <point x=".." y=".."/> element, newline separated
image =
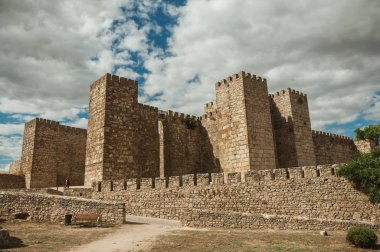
<point x="373" y="112"/>
<point x="11" y="129"/>
<point x="79" y="123"/>
<point x="45" y="52"/>
<point x="4" y="167"/>
<point x="10" y="146"/>
<point x="328" y="50"/>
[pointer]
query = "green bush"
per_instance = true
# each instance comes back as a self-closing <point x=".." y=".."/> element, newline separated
<point x="361" y="237"/>
<point x="364" y="172"/>
<point x="370" y="132"/>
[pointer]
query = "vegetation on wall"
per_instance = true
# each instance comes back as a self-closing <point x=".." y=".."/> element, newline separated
<point x="364" y="172"/>
<point x="191" y="123"/>
<point x="370" y="132"/>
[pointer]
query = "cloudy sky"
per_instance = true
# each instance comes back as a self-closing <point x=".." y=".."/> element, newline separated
<point x="51" y="51"/>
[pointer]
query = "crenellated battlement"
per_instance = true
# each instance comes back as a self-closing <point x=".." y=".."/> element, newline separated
<point x="71" y="129"/>
<point x="241" y="75"/>
<point x="46" y="122"/>
<point x="107" y="78"/>
<point x="56" y="125"/>
<point x="331" y="135"/>
<point x="211" y="179"/>
<point x="121" y="80"/>
<point x="209" y="115"/>
<point x="286" y="92"/>
<point x="147" y="109"/>
<point x="172" y="115"/>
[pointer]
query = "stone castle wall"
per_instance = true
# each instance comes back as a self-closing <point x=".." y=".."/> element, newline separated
<point x="15" y="168"/>
<point x="53" y="208"/>
<point x="52" y="152"/>
<point x="331" y="148"/>
<point x="305" y="195"/>
<point x="11" y="181"/>
<point x="243" y="129"/>
<point x="181" y="144"/>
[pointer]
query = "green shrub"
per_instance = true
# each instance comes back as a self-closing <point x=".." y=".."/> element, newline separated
<point x="361" y="237"/>
<point x="370" y="132"/>
<point x="364" y="172"/>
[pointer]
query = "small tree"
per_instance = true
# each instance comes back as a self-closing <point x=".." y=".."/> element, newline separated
<point x="364" y="172"/>
<point x="370" y="132"/>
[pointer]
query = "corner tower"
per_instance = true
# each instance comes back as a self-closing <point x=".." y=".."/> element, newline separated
<point x="112" y="148"/>
<point x="292" y="129"/>
<point x="244" y="124"/>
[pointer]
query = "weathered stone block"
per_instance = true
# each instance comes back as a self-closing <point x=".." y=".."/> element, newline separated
<point x="251" y="176"/>
<point x="203" y="179"/>
<point x="217" y="178"/>
<point x="233" y="178"/>
<point x="280" y="174"/>
<point x="310" y="171"/>
<point x="161" y="183"/>
<point x="174" y="182"/>
<point x="325" y="170"/>
<point x="133" y="184"/>
<point x="266" y="175"/>
<point x="119" y="185"/>
<point x="146" y="183"/>
<point x="107" y="186"/>
<point x="188" y="180"/>
<point x="295" y="172"/>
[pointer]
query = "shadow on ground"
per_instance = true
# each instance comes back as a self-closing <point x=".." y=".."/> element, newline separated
<point x="14" y="242"/>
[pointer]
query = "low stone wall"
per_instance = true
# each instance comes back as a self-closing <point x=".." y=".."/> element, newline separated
<point x="311" y="193"/>
<point x="53" y="208"/>
<point x="217" y="219"/>
<point x="10" y="181"/>
<point x="78" y="192"/>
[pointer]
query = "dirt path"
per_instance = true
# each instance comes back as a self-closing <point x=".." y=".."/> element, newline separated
<point x="137" y="234"/>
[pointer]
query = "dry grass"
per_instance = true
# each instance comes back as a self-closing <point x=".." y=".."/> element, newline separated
<point x="248" y="240"/>
<point x="28" y="236"/>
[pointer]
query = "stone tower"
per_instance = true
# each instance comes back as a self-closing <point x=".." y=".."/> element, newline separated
<point x="244" y="124"/>
<point x="292" y="129"/>
<point x="114" y="128"/>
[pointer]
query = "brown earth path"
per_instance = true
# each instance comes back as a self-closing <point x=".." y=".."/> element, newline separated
<point x="137" y="234"/>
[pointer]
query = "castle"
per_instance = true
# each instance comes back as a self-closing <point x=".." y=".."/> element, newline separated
<point x="243" y="129"/>
<point x="251" y="161"/>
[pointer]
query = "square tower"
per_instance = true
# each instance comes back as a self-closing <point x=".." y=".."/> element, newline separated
<point x="292" y="129"/>
<point x="244" y="124"/>
<point x="112" y="148"/>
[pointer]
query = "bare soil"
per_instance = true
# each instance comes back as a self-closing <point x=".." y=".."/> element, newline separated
<point x="29" y="236"/>
<point x="164" y="236"/>
<point x="207" y="240"/>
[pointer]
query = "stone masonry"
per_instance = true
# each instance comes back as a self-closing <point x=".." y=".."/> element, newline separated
<point x="243" y="129"/>
<point x="52" y="152"/>
<point x="309" y="197"/>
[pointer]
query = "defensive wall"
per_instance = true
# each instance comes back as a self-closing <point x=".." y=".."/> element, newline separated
<point x="243" y="129"/>
<point x="309" y="197"/>
<point x="53" y="208"/>
<point x="51" y="152"/>
<point x="10" y="181"/>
